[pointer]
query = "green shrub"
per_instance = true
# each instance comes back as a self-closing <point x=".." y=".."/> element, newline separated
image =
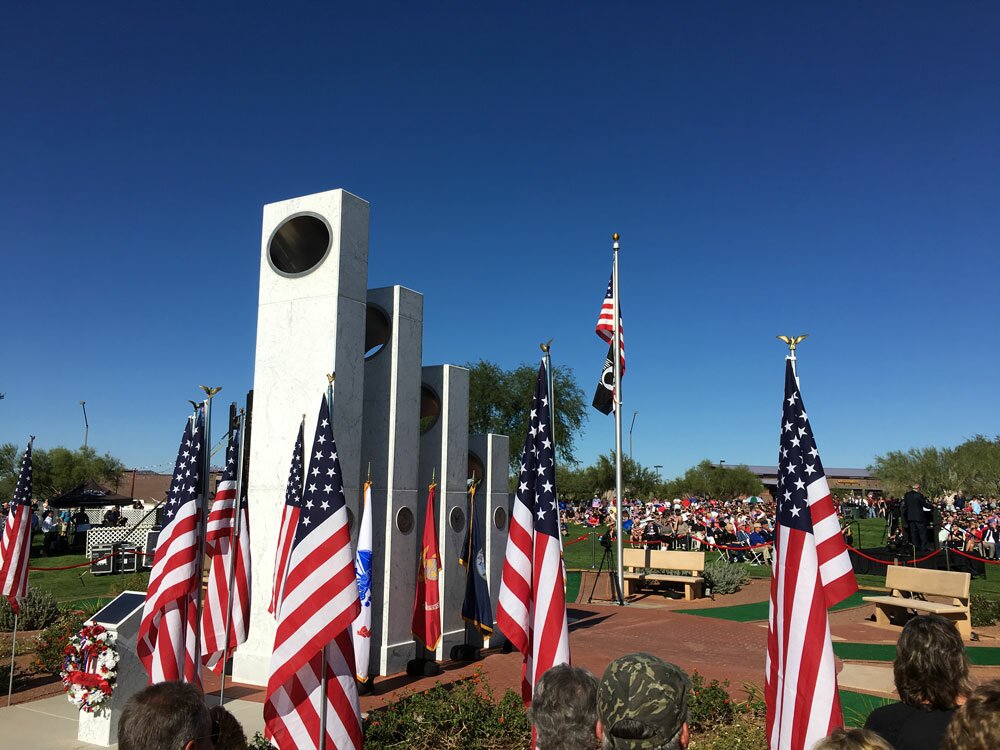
<point x="130" y="582"/>
<point x="259" y="742"/>
<point x="738" y="736"/>
<point x="726" y="578"/>
<point x="710" y="705"/>
<point x="53" y="640"/>
<point x="984" y="611"/>
<point x="463" y="716"/>
<point x="38" y="610"/>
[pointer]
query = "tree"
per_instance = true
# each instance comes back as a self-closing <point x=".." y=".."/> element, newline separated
<point x="57" y="470"/>
<point x="972" y="467"/>
<point x="499" y="401"/>
<point x="709" y="480"/>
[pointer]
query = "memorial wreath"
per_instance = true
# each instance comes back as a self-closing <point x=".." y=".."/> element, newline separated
<point x="90" y="667"/>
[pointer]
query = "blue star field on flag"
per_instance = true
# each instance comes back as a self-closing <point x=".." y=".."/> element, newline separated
<point x="184" y="487"/>
<point x="537" y="478"/>
<point x="324" y="487"/>
<point x="22" y="492"/>
<point x="798" y="459"/>
<point x="293" y="491"/>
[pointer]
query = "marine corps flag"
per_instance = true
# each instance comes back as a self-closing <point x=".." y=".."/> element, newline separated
<point x="604" y="399"/>
<point x="476" y="608"/>
<point x="426" y="625"/>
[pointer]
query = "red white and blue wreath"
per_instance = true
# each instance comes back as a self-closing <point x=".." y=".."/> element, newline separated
<point x="90" y="667"/>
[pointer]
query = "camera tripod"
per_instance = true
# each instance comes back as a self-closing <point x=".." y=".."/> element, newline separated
<point x="608" y="558"/>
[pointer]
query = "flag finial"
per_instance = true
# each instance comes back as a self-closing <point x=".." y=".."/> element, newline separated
<point x="331" y="377"/>
<point x="793" y="341"/>
<point x="615" y="236"/>
<point x="546" y="346"/>
<point x="210" y="391"/>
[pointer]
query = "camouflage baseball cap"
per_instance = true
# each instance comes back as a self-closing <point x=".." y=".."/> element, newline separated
<point x="645" y="689"/>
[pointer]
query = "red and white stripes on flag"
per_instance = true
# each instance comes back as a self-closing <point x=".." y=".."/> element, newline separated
<point x="319" y="601"/>
<point x="606" y="320"/>
<point x="812" y="572"/>
<point x="229" y="551"/>
<point x="168" y="632"/>
<point x="15" y="547"/>
<point x="289" y="520"/>
<point x="532" y="607"/>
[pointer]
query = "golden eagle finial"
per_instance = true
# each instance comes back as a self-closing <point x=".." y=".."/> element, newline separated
<point x="793" y="341"/>
<point x="209" y="391"/>
<point x="546" y="346"/>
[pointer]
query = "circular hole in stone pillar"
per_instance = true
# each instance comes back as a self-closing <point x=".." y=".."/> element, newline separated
<point x="456" y="519"/>
<point x="298" y="245"/>
<point x="377" y="330"/>
<point x="476" y="468"/>
<point x="500" y="518"/>
<point x="430" y="408"/>
<point x="404" y="520"/>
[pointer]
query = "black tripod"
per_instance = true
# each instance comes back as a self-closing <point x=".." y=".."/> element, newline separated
<point x="608" y="558"/>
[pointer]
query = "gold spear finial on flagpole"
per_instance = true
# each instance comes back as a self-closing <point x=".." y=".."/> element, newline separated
<point x="433" y="476"/>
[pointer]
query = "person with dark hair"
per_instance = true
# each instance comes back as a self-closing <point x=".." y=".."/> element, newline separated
<point x="642" y="704"/>
<point x="976" y="725"/>
<point x="167" y="716"/>
<point x="231" y="735"/>
<point x="564" y="709"/>
<point x="931" y="672"/>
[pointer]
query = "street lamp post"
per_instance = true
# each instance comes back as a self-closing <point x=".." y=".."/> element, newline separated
<point x="657" y="467"/>
<point x="634" y="415"/>
<point x="86" y="425"/>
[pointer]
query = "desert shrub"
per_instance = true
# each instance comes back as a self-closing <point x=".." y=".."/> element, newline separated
<point x="38" y="610"/>
<point x="736" y="736"/>
<point x="984" y="611"/>
<point x="51" y="642"/>
<point x="709" y="705"/>
<point x="726" y="578"/>
<point x="461" y="716"/>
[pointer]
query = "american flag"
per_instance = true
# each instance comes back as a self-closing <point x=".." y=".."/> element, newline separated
<point x="606" y="320"/>
<point x="168" y="631"/>
<point x="812" y="572"/>
<point x="225" y="555"/>
<point x="15" y="548"/>
<point x="289" y="520"/>
<point x="532" y="609"/>
<point x="318" y="605"/>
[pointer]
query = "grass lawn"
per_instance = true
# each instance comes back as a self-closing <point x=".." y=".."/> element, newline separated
<point x="70" y="586"/>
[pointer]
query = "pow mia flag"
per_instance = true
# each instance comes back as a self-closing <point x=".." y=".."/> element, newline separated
<point x="604" y="400"/>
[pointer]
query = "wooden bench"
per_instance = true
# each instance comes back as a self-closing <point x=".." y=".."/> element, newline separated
<point x="635" y="563"/>
<point x="911" y="589"/>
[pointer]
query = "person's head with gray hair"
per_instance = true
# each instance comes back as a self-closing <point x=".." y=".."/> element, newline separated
<point x="166" y="716"/>
<point x="564" y="709"/>
<point x="642" y="704"/>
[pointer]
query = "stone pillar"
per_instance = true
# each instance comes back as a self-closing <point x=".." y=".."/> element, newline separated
<point x="310" y="321"/>
<point x="492" y="453"/>
<point x="444" y="448"/>
<point x="391" y="431"/>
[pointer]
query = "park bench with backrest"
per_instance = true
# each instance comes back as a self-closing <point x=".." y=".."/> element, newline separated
<point x="645" y="566"/>
<point x="916" y="591"/>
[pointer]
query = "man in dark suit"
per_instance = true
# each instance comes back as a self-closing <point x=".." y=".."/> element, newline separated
<point x="915" y="510"/>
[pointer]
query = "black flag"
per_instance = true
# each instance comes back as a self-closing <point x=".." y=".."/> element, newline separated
<point x="604" y="400"/>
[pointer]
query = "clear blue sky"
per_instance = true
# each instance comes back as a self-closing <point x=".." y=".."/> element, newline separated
<point x="772" y="168"/>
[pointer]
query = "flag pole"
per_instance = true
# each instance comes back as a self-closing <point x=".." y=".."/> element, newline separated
<point x="233" y="553"/>
<point x="618" y="419"/>
<point x="547" y="359"/>
<point x="323" y="678"/>
<point x="13" y="649"/>
<point x="203" y="520"/>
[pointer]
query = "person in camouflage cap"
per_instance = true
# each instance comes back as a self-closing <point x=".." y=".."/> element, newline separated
<point x="642" y="704"/>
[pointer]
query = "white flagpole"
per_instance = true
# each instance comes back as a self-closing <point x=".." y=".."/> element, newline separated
<point x="13" y="649"/>
<point x="233" y="553"/>
<point x="618" y="418"/>
<point x="203" y="520"/>
<point x="323" y="678"/>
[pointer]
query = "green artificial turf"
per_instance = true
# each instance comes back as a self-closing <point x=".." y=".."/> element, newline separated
<point x="981" y="656"/>
<point x="755" y="611"/>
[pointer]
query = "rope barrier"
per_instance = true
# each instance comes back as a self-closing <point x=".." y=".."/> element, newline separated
<point x="976" y="557"/>
<point x="578" y="539"/>
<point x="90" y="562"/>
